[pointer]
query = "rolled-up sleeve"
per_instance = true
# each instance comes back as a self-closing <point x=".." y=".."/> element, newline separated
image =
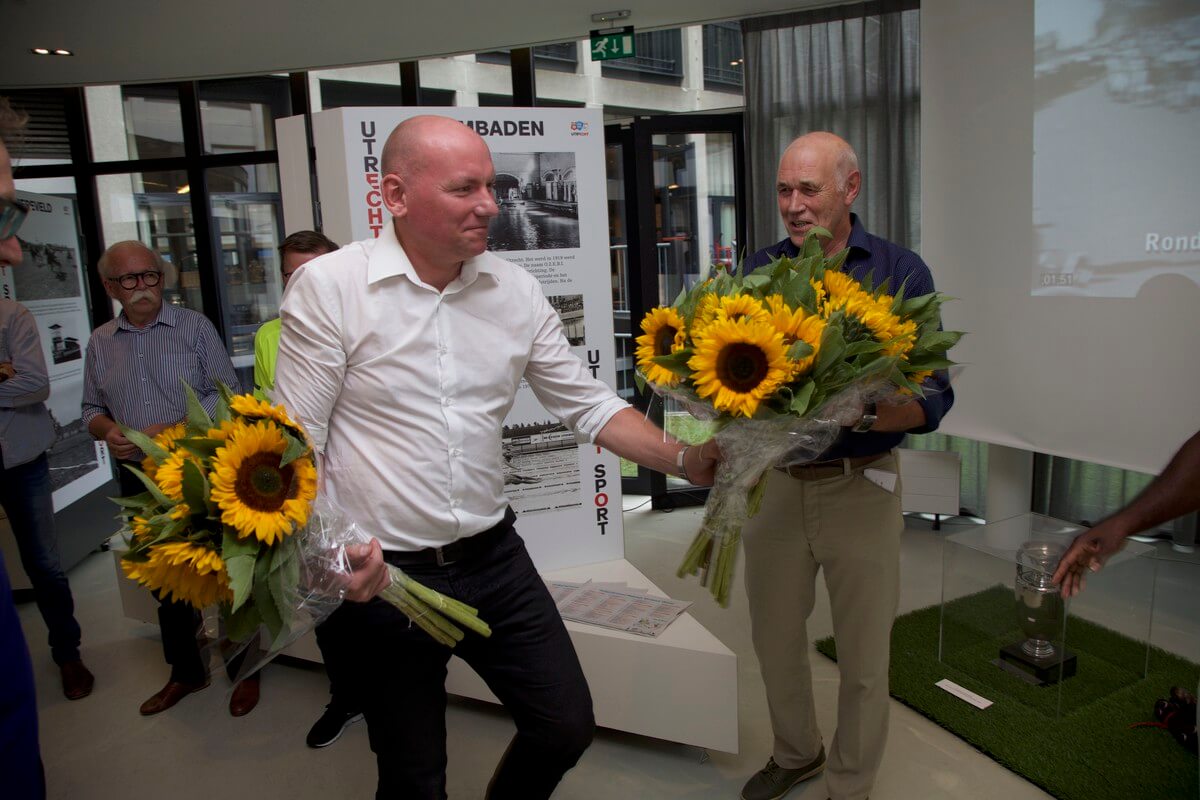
<point x="562" y="382"/>
<point x="31" y="383"/>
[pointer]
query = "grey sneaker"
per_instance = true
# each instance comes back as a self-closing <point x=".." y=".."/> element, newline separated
<point x="773" y="781"/>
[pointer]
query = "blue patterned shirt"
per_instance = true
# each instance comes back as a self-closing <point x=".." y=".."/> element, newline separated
<point x="134" y="375"/>
<point x="900" y="267"/>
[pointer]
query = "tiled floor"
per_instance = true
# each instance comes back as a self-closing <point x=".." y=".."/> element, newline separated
<point x="101" y="748"/>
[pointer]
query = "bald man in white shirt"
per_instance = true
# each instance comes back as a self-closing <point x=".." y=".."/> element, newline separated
<point x="402" y="356"/>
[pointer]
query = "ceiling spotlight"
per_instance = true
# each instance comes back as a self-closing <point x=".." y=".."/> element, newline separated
<point x="183" y="189"/>
<point x="41" y="51"/>
<point x="61" y="52"/>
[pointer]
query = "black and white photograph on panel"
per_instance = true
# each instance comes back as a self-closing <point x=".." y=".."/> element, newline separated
<point x="47" y="272"/>
<point x="570" y="311"/>
<point x="73" y="454"/>
<point x="62" y="337"/>
<point x="539" y="206"/>
<point x="540" y="458"/>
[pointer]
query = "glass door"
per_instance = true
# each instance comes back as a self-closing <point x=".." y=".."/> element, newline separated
<point x="682" y="213"/>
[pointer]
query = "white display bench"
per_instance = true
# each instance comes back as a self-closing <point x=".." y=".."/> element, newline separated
<point x="680" y="686"/>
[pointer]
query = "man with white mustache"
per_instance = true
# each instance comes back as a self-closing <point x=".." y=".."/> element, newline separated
<point x="132" y="376"/>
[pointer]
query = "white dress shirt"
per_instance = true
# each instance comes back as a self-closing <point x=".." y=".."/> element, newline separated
<point x="404" y="389"/>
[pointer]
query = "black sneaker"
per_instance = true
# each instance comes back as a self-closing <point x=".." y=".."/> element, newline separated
<point x="773" y="781"/>
<point x="328" y="729"/>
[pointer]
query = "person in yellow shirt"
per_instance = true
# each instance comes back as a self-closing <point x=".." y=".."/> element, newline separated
<point x="296" y="251"/>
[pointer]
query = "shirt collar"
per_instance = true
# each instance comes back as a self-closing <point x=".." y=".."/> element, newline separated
<point x="858" y="235"/>
<point x="168" y="314"/>
<point x="388" y="260"/>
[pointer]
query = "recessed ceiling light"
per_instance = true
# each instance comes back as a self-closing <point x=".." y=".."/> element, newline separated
<point x="61" y="52"/>
<point x="41" y="51"/>
<point x="183" y="189"/>
<point x="46" y="51"/>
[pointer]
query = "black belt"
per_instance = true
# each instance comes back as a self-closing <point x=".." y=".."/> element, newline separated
<point x="460" y="550"/>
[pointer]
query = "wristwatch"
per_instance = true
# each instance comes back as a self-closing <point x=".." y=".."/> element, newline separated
<point x="867" y="420"/>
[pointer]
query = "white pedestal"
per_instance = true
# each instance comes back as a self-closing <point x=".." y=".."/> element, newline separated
<point x="930" y="482"/>
<point x="680" y="686"/>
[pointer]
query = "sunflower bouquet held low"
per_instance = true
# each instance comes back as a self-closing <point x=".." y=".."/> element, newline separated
<point x="230" y="517"/>
<point x="775" y="358"/>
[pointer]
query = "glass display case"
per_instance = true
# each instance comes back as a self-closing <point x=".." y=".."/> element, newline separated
<point x="1006" y="628"/>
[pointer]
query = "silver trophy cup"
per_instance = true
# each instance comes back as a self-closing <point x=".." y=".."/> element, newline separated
<point x="1039" y="602"/>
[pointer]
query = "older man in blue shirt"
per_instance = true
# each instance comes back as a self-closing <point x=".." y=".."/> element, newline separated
<point x="132" y="376"/>
<point x="831" y="516"/>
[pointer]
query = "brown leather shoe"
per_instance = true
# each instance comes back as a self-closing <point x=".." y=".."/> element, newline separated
<point x="77" y="681"/>
<point x="245" y="696"/>
<point x="169" y="695"/>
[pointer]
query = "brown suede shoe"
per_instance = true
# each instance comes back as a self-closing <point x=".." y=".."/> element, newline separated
<point x="77" y="681"/>
<point x="245" y="696"/>
<point x="169" y="695"/>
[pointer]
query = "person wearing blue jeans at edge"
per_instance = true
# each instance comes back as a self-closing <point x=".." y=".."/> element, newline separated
<point x="26" y="432"/>
<point x="20" y="756"/>
<point x="828" y="516"/>
<point x="401" y="356"/>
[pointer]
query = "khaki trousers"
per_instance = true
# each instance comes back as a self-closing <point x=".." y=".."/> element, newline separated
<point x="851" y="528"/>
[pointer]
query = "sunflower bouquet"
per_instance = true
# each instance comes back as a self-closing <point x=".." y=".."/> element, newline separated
<point x="230" y="517"/>
<point x="777" y="359"/>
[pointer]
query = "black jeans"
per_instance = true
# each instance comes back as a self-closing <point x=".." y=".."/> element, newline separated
<point x="528" y="662"/>
<point x="179" y="623"/>
<point x="25" y="495"/>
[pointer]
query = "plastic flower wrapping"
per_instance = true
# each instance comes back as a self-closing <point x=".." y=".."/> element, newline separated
<point x="231" y="517"/>
<point x="779" y="360"/>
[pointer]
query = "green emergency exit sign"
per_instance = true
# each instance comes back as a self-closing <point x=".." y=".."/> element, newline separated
<point x="610" y="44"/>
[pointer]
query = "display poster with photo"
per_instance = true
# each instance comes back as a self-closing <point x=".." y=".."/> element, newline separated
<point x="50" y="282"/>
<point x="553" y="222"/>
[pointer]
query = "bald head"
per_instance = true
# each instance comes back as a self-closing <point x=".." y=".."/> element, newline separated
<point x="415" y="141"/>
<point x="831" y="148"/>
<point x="120" y="252"/>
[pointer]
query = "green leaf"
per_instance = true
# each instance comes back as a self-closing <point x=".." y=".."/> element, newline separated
<point x="242" y="622"/>
<point x="137" y="502"/>
<point x="676" y="362"/>
<point x="640" y="380"/>
<point x="799" y="350"/>
<point x="200" y="447"/>
<point x="233" y="545"/>
<point x="198" y="420"/>
<point x="195" y="488"/>
<point x="151" y="486"/>
<point x="240" y="570"/>
<point x="802" y="399"/>
<point x="835" y="263"/>
<point x="938" y="341"/>
<point x="221" y="413"/>
<point x="930" y="362"/>
<point x="756" y="283"/>
<point x="295" y="448"/>
<point x="865" y="346"/>
<point x="145" y="443"/>
<point x="833" y="348"/>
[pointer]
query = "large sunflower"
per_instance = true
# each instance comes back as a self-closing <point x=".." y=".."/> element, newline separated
<point x="250" y="406"/>
<point x="184" y="571"/>
<point x="741" y="306"/>
<point x="664" y="334"/>
<point x="739" y="363"/>
<point x="256" y="495"/>
<point x="166" y="440"/>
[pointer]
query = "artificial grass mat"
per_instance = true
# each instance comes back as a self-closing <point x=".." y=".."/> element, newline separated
<point x="1087" y="753"/>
